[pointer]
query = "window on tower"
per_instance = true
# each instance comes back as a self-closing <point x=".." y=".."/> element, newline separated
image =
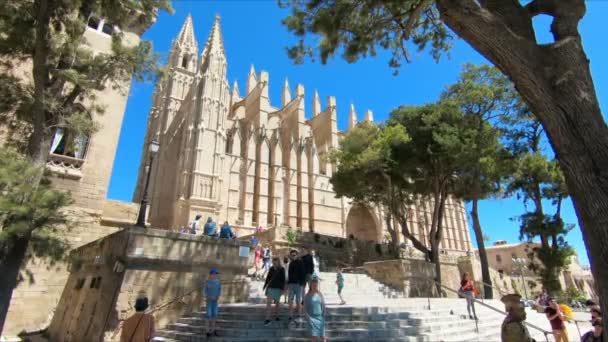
<point x="185" y="61"/>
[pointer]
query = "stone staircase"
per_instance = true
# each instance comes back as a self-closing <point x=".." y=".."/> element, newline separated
<point x="373" y="313"/>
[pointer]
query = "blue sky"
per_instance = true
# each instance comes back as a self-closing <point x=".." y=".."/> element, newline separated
<point x="253" y="34"/>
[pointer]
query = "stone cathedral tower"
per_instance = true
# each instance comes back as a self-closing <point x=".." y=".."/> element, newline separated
<point x="235" y="157"/>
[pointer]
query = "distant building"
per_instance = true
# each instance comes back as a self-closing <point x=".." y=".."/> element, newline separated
<point x="513" y="260"/>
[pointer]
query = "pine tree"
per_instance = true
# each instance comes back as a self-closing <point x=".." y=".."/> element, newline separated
<point x="46" y="38"/>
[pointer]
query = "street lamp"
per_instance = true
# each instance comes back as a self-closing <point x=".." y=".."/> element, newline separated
<point x="141" y="217"/>
<point x="521" y="264"/>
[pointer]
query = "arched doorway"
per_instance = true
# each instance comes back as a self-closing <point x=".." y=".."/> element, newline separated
<point x="360" y="223"/>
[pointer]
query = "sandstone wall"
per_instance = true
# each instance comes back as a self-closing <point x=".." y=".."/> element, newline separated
<point x="109" y="274"/>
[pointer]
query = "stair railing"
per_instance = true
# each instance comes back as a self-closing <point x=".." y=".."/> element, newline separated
<point x="533" y="326"/>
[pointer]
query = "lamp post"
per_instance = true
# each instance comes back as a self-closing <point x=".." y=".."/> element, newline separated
<point x="141" y="217"/>
<point x="521" y="264"/>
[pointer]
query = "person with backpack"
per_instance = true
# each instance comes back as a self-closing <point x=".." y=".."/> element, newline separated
<point x="140" y="326"/>
<point x="226" y="231"/>
<point x="273" y="287"/>
<point x="210" y="228"/>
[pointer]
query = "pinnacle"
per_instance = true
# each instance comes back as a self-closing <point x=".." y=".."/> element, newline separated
<point x="215" y="42"/>
<point x="352" y="117"/>
<point x="186" y="34"/>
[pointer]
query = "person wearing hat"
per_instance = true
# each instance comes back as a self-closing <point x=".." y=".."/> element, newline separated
<point x="140" y="326"/>
<point x="513" y="328"/>
<point x="314" y="307"/>
<point x="212" y="291"/>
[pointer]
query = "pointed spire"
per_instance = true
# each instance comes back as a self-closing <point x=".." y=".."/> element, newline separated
<point x="286" y="94"/>
<point x="186" y="34"/>
<point x="235" y="90"/>
<point x="215" y="42"/>
<point x="316" y="104"/>
<point x="252" y="80"/>
<point x="369" y="116"/>
<point x="352" y="117"/>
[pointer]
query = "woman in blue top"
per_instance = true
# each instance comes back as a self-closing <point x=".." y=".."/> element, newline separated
<point x="340" y="283"/>
<point x="314" y="307"/>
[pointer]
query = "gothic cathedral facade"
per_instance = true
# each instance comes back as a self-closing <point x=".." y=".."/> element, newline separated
<point x="237" y="158"/>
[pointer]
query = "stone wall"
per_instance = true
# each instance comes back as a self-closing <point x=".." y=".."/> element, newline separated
<point x="412" y="276"/>
<point x="333" y="251"/>
<point x="107" y="276"/>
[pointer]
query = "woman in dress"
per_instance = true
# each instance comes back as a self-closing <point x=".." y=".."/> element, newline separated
<point x="314" y="307"/>
<point x="467" y="288"/>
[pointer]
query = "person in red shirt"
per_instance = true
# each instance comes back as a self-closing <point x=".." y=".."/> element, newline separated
<point x="467" y="289"/>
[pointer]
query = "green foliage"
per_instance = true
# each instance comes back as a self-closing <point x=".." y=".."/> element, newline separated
<point x="359" y="28"/>
<point x="535" y="179"/>
<point x="292" y="235"/>
<point x="64" y="69"/>
<point x="572" y="294"/>
<point x="30" y="210"/>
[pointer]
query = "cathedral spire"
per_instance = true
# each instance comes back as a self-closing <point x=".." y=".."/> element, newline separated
<point x="235" y="90"/>
<point x="186" y="34"/>
<point x="316" y="104"/>
<point x="352" y="117"/>
<point x="369" y="116"/>
<point x="286" y="94"/>
<point x="252" y="80"/>
<point x="215" y="42"/>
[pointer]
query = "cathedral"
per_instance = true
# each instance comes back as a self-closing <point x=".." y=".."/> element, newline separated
<point x="231" y="155"/>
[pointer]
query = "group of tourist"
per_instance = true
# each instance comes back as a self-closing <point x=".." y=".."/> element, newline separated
<point x="209" y="229"/>
<point x="291" y="279"/>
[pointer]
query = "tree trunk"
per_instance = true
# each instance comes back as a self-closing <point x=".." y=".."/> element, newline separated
<point x="555" y="80"/>
<point x="9" y="268"/>
<point x="388" y="218"/>
<point x="435" y="260"/>
<point x="483" y="256"/>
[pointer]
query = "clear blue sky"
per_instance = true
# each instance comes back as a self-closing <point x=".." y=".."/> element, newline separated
<point x="253" y="34"/>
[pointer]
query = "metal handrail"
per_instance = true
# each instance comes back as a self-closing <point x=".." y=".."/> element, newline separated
<point x="545" y="332"/>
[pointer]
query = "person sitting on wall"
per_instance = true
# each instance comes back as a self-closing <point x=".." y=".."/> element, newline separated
<point x="140" y="326"/>
<point x="226" y="231"/>
<point x="194" y="225"/>
<point x="513" y="328"/>
<point x="210" y="228"/>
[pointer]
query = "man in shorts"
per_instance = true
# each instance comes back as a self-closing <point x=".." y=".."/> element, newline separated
<point x="296" y="277"/>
